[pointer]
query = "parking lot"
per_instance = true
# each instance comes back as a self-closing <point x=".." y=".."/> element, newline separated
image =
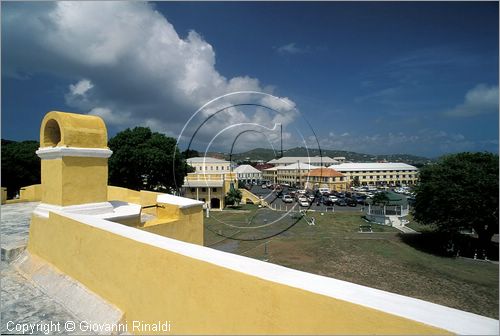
<point x="275" y="202"/>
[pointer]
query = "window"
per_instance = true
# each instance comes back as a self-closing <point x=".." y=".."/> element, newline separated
<point x="214" y="189"/>
<point x="385" y="176"/>
<point x="211" y="167"/>
<point x="216" y="167"/>
<point x="203" y="189"/>
<point x="192" y="190"/>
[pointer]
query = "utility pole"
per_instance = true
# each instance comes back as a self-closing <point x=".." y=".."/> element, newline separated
<point x="281" y="138"/>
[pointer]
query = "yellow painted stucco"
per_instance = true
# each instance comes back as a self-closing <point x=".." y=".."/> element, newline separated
<point x="123" y="194"/>
<point x="153" y="284"/>
<point x="74" y="180"/>
<point x="31" y="193"/>
<point x="178" y="223"/>
<point x="245" y="194"/>
<point x="73" y="130"/>
<point x="4" y="195"/>
<point x="170" y="220"/>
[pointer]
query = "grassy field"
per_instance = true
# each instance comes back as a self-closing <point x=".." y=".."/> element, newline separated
<point x="334" y="247"/>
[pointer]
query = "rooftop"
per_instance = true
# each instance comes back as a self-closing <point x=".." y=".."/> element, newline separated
<point x="306" y="159"/>
<point x="325" y="172"/>
<point x="205" y="160"/>
<point x="345" y="167"/>
<point x="246" y="169"/>
<point x="298" y="165"/>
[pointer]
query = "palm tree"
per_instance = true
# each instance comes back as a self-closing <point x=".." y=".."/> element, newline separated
<point x="233" y="197"/>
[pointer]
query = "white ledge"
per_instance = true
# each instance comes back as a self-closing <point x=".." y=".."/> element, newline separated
<point x="113" y="210"/>
<point x="48" y="153"/>
<point x="181" y="202"/>
<point x="43" y="209"/>
<point x="453" y="320"/>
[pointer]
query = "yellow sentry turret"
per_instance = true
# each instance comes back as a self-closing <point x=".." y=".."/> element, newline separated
<point x="74" y="158"/>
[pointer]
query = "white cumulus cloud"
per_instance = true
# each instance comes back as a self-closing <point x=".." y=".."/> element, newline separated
<point x="482" y="99"/>
<point x="127" y="63"/>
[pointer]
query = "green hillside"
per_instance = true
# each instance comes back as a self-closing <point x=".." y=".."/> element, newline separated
<point x="268" y="154"/>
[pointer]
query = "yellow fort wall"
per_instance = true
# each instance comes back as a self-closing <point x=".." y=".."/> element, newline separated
<point x="151" y="283"/>
<point x="171" y="221"/>
<point x="178" y="223"/>
<point x="4" y="195"/>
<point x="31" y="193"/>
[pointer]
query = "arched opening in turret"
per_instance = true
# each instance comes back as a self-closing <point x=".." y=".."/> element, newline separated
<point x="51" y="134"/>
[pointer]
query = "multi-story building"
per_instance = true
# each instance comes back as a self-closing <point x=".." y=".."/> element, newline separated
<point x="319" y="161"/>
<point x="326" y="178"/>
<point x="248" y="174"/>
<point x="271" y="174"/>
<point x="378" y="174"/>
<point x="210" y="182"/>
<point x="209" y="165"/>
<point x="295" y="174"/>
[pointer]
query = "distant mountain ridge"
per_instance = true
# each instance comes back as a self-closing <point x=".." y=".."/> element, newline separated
<point x="267" y="154"/>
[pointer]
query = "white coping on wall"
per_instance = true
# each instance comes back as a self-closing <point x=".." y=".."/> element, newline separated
<point x="181" y="202"/>
<point x="450" y="319"/>
<point x="113" y="210"/>
<point x="48" y="153"/>
<point x="121" y="210"/>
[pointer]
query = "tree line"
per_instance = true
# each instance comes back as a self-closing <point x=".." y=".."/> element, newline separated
<point x="458" y="192"/>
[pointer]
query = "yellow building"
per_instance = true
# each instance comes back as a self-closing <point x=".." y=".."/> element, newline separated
<point x="327" y="178"/>
<point x="378" y="174"/>
<point x="209" y="165"/>
<point x="209" y="188"/>
<point x="271" y="174"/>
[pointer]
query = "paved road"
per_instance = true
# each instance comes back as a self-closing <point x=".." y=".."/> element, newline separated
<point x="274" y="201"/>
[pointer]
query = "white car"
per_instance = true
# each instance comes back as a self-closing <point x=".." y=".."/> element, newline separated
<point x="303" y="202"/>
<point x="287" y="199"/>
<point x="324" y="191"/>
<point x="302" y="198"/>
<point x="333" y="198"/>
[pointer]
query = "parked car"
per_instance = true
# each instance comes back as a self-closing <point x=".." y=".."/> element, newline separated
<point x="303" y="202"/>
<point x="311" y="197"/>
<point x="327" y="201"/>
<point x="333" y="198"/>
<point x="351" y="202"/>
<point x="324" y="190"/>
<point x="361" y="199"/>
<point x="341" y="202"/>
<point x="287" y="199"/>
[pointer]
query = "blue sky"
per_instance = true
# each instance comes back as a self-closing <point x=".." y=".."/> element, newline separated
<point x="375" y="77"/>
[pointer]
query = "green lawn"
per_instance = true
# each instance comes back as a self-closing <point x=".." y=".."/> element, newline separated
<point x="334" y="247"/>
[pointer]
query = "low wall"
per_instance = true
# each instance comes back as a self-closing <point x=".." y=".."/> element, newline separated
<point x="179" y="221"/>
<point x="31" y="193"/>
<point x="143" y="197"/>
<point x="251" y="196"/>
<point x="204" y="291"/>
